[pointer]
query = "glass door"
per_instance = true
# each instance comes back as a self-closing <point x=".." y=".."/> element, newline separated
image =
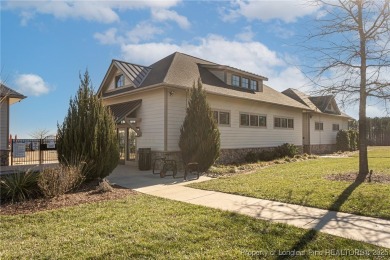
<point x="131" y="145"/>
<point x="122" y="145"/>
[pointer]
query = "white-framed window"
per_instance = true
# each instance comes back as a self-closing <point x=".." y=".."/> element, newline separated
<point x="253" y="85"/>
<point x="319" y="126"/>
<point x="244" y="83"/>
<point x="335" y="127"/>
<point x="119" y="81"/>
<point x="221" y="117"/>
<point x="283" y="122"/>
<point x="235" y="81"/>
<point x="253" y="120"/>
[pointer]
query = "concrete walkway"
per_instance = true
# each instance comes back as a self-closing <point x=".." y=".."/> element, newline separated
<point x="371" y="230"/>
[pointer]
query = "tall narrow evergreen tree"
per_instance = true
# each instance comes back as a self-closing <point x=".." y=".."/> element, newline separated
<point x="88" y="134"/>
<point x="199" y="135"/>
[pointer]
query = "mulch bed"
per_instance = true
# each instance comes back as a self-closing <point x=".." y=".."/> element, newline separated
<point x="375" y="178"/>
<point x="85" y="194"/>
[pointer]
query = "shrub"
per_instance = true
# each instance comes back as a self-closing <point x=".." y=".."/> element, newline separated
<point x="251" y="157"/>
<point x="88" y="133"/>
<point x="353" y="140"/>
<point x="199" y="135"/>
<point x="343" y="141"/>
<point x="286" y="149"/>
<point x="19" y="186"/>
<point x="57" y="181"/>
<point x="267" y="156"/>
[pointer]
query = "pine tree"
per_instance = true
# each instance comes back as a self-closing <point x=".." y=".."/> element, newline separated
<point x="88" y="134"/>
<point x="199" y="135"/>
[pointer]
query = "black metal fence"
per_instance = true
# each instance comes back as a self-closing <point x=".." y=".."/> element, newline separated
<point x="33" y="151"/>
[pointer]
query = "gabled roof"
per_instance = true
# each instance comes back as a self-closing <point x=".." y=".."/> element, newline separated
<point x="10" y="93"/>
<point x="317" y="103"/>
<point x="136" y="73"/>
<point x="182" y="70"/>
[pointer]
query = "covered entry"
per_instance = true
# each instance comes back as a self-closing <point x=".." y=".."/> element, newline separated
<point x="128" y="129"/>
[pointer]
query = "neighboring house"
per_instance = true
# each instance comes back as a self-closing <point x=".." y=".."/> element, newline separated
<point x="7" y="98"/>
<point x="149" y="104"/>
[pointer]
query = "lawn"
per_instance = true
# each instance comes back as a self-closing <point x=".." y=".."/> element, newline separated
<point x="305" y="183"/>
<point x="146" y="227"/>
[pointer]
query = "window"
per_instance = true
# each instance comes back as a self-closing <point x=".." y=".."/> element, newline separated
<point x="319" y="126"/>
<point x="254" y="85"/>
<point x="244" y="119"/>
<point x="119" y="81"/>
<point x="336" y="127"/>
<point x="244" y="83"/>
<point x="224" y="118"/>
<point x="235" y="81"/>
<point x="253" y="120"/>
<point x="221" y="117"/>
<point x="282" y="122"/>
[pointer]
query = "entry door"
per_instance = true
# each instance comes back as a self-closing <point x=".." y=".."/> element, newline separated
<point x="131" y="144"/>
<point x="306" y="133"/>
<point x="122" y="144"/>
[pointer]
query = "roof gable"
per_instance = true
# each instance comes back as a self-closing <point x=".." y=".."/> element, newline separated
<point x="134" y="76"/>
<point x="13" y="95"/>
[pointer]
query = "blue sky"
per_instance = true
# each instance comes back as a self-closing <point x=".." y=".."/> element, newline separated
<point x="45" y="44"/>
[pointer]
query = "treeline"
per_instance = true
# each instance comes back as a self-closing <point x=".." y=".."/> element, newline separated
<point x="378" y="131"/>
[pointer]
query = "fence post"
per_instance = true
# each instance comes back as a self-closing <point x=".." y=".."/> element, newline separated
<point x="12" y="152"/>
<point x="40" y="151"/>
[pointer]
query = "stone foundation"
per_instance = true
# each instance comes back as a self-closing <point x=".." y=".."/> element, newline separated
<point x="4" y="158"/>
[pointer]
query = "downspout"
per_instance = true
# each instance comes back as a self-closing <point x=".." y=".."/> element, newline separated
<point x="165" y="120"/>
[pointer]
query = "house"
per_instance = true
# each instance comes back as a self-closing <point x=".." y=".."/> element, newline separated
<point x="149" y="104"/>
<point x="7" y="97"/>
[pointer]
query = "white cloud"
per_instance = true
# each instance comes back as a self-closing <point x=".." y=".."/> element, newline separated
<point x="287" y="10"/>
<point x="169" y="15"/>
<point x="143" y="31"/>
<point x="108" y="37"/>
<point x="99" y="11"/>
<point x="31" y="84"/>
<point x="246" y="35"/>
<point x="251" y="56"/>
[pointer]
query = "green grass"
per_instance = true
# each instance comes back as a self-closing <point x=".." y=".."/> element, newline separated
<point x="303" y="183"/>
<point x="145" y="227"/>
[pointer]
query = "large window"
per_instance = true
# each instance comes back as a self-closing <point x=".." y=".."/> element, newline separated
<point x="244" y="83"/>
<point x="336" y="127"/>
<point x="235" y="81"/>
<point x="319" y="126"/>
<point x="222" y="117"/>
<point x="253" y="120"/>
<point x="254" y="85"/>
<point x="282" y="122"/>
<point x="119" y="81"/>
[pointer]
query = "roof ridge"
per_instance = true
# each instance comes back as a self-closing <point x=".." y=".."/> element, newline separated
<point x="197" y="57"/>
<point x="170" y="65"/>
<point x="131" y="63"/>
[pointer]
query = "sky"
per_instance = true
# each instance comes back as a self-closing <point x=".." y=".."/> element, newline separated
<point x="46" y="44"/>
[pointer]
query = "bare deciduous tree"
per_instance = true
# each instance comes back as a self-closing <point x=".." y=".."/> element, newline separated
<point x="350" y="56"/>
<point x="39" y="133"/>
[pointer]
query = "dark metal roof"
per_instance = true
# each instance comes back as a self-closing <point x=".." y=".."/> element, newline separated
<point x="121" y="110"/>
<point x="136" y="73"/>
<point x="10" y="93"/>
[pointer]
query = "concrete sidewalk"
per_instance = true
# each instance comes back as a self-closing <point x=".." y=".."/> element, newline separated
<point x="371" y="230"/>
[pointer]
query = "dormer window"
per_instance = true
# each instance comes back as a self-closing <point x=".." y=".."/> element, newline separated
<point x="329" y="107"/>
<point x="119" y="81"/>
<point x="235" y="81"/>
<point x="244" y="83"/>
